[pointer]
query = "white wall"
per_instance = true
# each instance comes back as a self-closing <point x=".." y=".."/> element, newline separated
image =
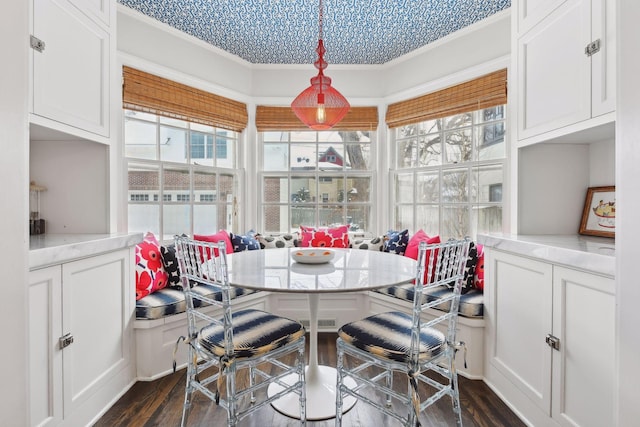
<point x="14" y="33"/>
<point x="628" y="202"/>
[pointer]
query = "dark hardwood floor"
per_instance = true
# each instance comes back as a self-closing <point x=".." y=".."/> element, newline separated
<point x="159" y="403"/>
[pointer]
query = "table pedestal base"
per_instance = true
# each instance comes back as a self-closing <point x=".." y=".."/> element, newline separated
<point x="321" y="395"/>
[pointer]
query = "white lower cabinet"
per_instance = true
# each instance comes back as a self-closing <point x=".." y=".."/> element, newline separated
<point x="550" y="340"/>
<point x="79" y="335"/>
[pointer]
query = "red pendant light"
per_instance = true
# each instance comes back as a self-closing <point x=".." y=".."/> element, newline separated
<point x="320" y="106"/>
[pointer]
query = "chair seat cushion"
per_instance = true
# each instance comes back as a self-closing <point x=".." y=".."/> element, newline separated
<point x="471" y="303"/>
<point x="255" y="332"/>
<point x="170" y="300"/>
<point x="388" y="335"/>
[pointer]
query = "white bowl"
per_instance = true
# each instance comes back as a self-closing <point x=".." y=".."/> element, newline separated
<point x="312" y="255"/>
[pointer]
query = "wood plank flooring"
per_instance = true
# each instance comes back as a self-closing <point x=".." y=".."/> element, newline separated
<point x="159" y="403"/>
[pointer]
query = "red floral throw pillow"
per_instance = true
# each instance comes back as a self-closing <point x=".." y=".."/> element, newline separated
<point x="150" y="273"/>
<point x="332" y="237"/>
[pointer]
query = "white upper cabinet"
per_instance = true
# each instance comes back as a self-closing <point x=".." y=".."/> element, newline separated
<point x="99" y="9"/>
<point x="560" y="86"/>
<point x="530" y="12"/>
<point x="71" y="70"/>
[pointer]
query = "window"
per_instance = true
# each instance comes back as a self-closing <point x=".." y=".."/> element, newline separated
<point x="139" y="197"/>
<point x="306" y="174"/>
<point x="449" y="172"/>
<point x="179" y="180"/>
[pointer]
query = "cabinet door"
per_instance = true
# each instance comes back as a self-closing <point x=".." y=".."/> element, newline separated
<point x="99" y="9"/>
<point x="530" y="12"/>
<point x="71" y="74"/>
<point x="554" y="74"/>
<point x="95" y="299"/>
<point x="583" y="368"/>
<point x="45" y="356"/>
<point x="604" y="62"/>
<point x="519" y="306"/>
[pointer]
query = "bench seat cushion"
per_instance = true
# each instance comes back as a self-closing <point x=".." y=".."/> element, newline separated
<point x="471" y="303"/>
<point x="170" y="300"/>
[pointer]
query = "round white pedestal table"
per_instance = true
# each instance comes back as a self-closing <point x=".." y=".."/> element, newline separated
<point x="350" y="270"/>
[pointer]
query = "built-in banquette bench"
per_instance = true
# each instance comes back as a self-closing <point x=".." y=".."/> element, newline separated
<point x="161" y="317"/>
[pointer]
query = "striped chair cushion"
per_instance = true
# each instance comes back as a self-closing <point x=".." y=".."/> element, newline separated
<point x="170" y="300"/>
<point x="388" y="335"/>
<point x="255" y="332"/>
<point x="471" y="303"/>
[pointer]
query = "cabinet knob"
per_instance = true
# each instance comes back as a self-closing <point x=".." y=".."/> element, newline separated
<point x="65" y="340"/>
<point x="553" y="342"/>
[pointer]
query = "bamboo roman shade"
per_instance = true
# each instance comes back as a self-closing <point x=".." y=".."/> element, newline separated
<point x="149" y="93"/>
<point x="283" y="118"/>
<point x="484" y="92"/>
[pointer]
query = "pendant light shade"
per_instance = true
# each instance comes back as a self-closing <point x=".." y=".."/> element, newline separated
<point x="320" y="106"/>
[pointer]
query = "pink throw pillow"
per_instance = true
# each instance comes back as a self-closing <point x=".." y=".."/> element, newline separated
<point x="412" y="250"/>
<point x="478" y="277"/>
<point x="215" y="238"/>
<point x="332" y="237"/>
<point x="150" y="273"/>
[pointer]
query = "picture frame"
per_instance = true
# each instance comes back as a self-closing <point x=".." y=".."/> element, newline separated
<point x="599" y="213"/>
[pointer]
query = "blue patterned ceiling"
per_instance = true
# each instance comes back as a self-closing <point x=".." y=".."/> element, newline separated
<point x="286" y="31"/>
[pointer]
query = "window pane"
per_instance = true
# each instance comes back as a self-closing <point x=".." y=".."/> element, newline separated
<point x="406" y="153"/>
<point x="172" y="122"/>
<point x="201" y="128"/>
<point x="458" y="121"/>
<point x="173" y="144"/>
<point x="139" y="115"/>
<point x="431" y="126"/>
<point x="275" y="157"/>
<point x="492" y="114"/>
<point x="225" y="152"/>
<point x="330" y="157"/>
<point x="358" y="189"/>
<point x="143" y="218"/>
<point x="303" y="157"/>
<point x="205" y="218"/>
<point x="276" y="189"/>
<point x="140" y="139"/>
<point x="488" y="219"/>
<point x="358" y="156"/>
<point x="276" y="219"/>
<point x="275" y="136"/>
<point x="428" y="187"/>
<point x="455" y="222"/>
<point x="427" y="218"/>
<point x="430" y="150"/>
<point x="331" y="189"/>
<point x="455" y="186"/>
<point x="178" y="184"/>
<point x="458" y="146"/>
<point x="302" y="215"/>
<point x="404" y="188"/>
<point x="358" y="218"/>
<point x="330" y="215"/>
<point x="176" y="219"/>
<point x="490" y="141"/>
<point x="404" y="217"/>
<point x="227" y="189"/>
<point x="303" y="189"/>
<point x="201" y="148"/>
<point x="204" y="184"/>
<point x="489" y="185"/>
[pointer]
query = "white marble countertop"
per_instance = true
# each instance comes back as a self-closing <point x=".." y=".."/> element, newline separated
<point x="593" y="254"/>
<point x="51" y="249"/>
<point x="349" y="270"/>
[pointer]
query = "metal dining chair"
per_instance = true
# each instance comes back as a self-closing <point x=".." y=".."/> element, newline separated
<point x="372" y="349"/>
<point x="256" y="342"/>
